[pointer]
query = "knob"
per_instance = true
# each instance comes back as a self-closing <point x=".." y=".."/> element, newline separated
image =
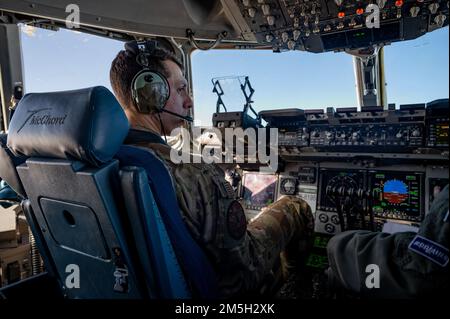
<point x="265" y="9"/>
<point x="414" y="11"/>
<point x="352" y="23"/>
<point x="329" y="135"/>
<point x="335" y="219"/>
<point x="416" y="133"/>
<point x="315" y="133"/>
<point x="269" y="38"/>
<point x="355" y="136"/>
<point x="306" y="22"/>
<point x="433" y="7"/>
<point x="401" y="133"/>
<point x="440" y="19"/>
<point x="291" y="45"/>
<point x="316" y="20"/>
<point x="323" y="218"/>
<point x="381" y="3"/>
<point x="329" y="228"/>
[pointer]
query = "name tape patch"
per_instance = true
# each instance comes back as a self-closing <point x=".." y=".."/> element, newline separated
<point x="430" y="250"/>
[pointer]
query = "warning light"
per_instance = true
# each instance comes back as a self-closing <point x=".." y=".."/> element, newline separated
<point x="341" y="14"/>
<point x="398" y="3"/>
<point x="359" y="11"/>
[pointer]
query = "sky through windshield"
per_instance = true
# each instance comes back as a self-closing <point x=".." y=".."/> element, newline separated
<point x="416" y="71"/>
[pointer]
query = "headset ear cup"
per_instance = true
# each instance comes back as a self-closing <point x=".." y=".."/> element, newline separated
<point x="150" y="91"/>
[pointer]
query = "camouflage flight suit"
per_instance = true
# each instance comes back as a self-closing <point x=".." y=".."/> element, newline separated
<point x="242" y="255"/>
<point x="405" y="271"/>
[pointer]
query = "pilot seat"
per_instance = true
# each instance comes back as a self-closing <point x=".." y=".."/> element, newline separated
<point x="104" y="214"/>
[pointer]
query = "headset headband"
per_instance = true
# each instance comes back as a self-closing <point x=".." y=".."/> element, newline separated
<point x="150" y="90"/>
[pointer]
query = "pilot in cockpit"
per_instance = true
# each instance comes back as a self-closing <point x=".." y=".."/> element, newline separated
<point x="400" y="265"/>
<point x="242" y="254"/>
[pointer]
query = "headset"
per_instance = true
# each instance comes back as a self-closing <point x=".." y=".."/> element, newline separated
<point x="150" y="90"/>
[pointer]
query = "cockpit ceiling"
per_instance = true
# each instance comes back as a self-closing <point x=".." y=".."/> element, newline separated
<point x="137" y="17"/>
<point x="308" y="25"/>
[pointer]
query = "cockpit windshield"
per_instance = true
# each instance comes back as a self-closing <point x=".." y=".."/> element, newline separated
<point x="293" y="79"/>
<point x="65" y="60"/>
<point x="416" y="71"/>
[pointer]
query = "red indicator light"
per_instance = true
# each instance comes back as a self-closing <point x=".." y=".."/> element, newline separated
<point x="341" y="14"/>
<point x="398" y="3"/>
<point x="359" y="11"/>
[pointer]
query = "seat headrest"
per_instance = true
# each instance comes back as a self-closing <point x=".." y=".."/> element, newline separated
<point x="87" y="125"/>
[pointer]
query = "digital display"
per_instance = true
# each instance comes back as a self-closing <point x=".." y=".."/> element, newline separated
<point x="359" y="38"/>
<point x="438" y="133"/>
<point x="335" y="179"/>
<point x="290" y="135"/>
<point x="442" y="134"/>
<point x="317" y="261"/>
<point x="397" y="195"/>
<point x="258" y="190"/>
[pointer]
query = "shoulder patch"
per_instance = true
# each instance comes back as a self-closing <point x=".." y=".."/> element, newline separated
<point x="430" y="250"/>
<point x="236" y="221"/>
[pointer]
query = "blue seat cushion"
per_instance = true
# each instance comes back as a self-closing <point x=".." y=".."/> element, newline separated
<point x="191" y="257"/>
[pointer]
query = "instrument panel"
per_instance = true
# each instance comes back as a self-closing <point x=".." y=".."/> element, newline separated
<point x="437" y="122"/>
<point x="414" y="128"/>
<point x="360" y="169"/>
<point x="344" y="198"/>
<point x="327" y="25"/>
<point x="369" y="169"/>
